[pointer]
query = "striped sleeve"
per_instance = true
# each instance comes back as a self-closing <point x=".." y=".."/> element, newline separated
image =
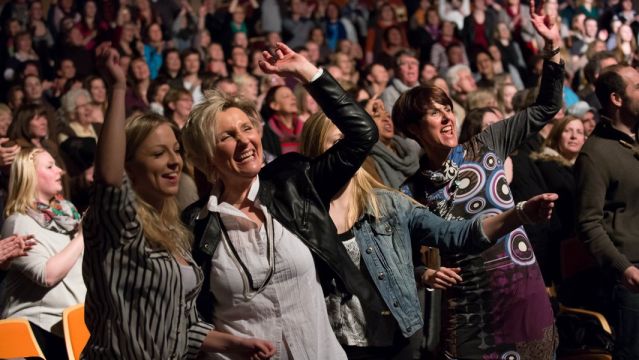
<point x="111" y="219"/>
<point x="197" y="331"/>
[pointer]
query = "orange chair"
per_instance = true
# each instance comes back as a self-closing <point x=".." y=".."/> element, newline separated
<point x="17" y="339"/>
<point x="76" y="333"/>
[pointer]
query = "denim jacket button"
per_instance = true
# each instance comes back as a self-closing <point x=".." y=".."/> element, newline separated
<point x="388" y="228"/>
<point x="409" y="328"/>
<point x="369" y="250"/>
<point x="380" y="276"/>
<point x="396" y="304"/>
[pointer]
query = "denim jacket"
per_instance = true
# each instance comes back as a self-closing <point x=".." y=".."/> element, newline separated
<point x="386" y="248"/>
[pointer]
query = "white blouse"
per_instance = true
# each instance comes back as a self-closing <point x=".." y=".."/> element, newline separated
<point x="290" y="311"/>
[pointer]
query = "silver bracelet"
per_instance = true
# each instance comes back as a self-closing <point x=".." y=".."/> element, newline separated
<point x="521" y="214"/>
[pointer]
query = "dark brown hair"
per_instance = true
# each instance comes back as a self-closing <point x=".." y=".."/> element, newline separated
<point x="412" y="105"/>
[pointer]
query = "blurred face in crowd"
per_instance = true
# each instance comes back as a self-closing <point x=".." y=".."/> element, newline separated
<point x="626" y="5"/>
<point x="140" y="70"/>
<point x="23" y="43"/>
<point x="33" y="88"/>
<point x="590" y="28"/>
<point x="173" y="62"/>
<point x="39" y="127"/>
<point x="240" y="39"/>
<point x="192" y="64"/>
<point x="332" y="12"/>
<point x="239" y="58"/>
<point x="503" y="31"/>
<point x="298" y="7"/>
<point x="249" y="89"/>
<point x="336" y="72"/>
<point x="97" y="89"/>
<point x="455" y="55"/>
<point x="344" y="62"/>
<point x="588" y="119"/>
<point x="491" y="118"/>
<point x="386" y="13"/>
<point x="35" y="11"/>
<point x="228" y="87"/>
<point x="484" y="64"/>
<point x="5" y="121"/>
<point x="128" y="33"/>
<point x="156" y="165"/>
<point x="442" y="84"/>
<point x="625" y="34"/>
<point x="448" y="30"/>
<point x="378" y="75"/>
<point x="48" y="175"/>
<point x="382" y="119"/>
<point x="466" y="83"/>
<point x="239" y="15"/>
<point x="160" y="93"/>
<point x="317" y="36"/>
<point x="14" y="27"/>
<point x="155" y="32"/>
<point x="572" y="139"/>
<point x="215" y="51"/>
<point x="313" y="52"/>
<point x="183" y="105"/>
<point x="67" y="69"/>
<point x="16" y="98"/>
<point x="432" y="17"/>
<point x="394" y="37"/>
<point x="82" y="112"/>
<point x="90" y="9"/>
<point x="284" y="101"/>
<point x="509" y="92"/>
<point x="408" y="70"/>
<point x="428" y="72"/>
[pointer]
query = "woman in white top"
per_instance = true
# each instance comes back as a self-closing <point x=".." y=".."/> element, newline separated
<point x="41" y="285"/>
<point x="263" y="231"/>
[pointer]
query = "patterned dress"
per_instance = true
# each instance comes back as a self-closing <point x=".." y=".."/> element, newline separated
<point x="501" y="309"/>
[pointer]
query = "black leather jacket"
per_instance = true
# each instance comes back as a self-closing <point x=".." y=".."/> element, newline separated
<point x="297" y="192"/>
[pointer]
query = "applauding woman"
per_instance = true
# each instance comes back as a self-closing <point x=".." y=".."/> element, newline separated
<point x="142" y="281"/>
<point x="40" y="286"/>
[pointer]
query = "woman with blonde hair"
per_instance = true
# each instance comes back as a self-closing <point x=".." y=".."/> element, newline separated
<point x="380" y="226"/>
<point x="40" y="286"/>
<point x="626" y="48"/>
<point x="142" y="280"/>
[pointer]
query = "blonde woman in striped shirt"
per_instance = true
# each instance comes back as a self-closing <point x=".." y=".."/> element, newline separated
<point x="141" y="279"/>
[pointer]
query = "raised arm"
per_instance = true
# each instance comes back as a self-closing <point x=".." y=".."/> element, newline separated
<point x="334" y="168"/>
<point x="109" y="162"/>
<point x="506" y="136"/>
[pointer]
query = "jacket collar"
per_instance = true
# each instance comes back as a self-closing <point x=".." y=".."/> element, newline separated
<point x="605" y="130"/>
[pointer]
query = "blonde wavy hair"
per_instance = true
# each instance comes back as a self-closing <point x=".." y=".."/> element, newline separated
<point x="198" y="135"/>
<point x="162" y="229"/>
<point x="23" y="182"/>
<point x="314" y="136"/>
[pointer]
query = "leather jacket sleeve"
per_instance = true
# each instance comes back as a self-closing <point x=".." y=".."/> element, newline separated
<point x="333" y="169"/>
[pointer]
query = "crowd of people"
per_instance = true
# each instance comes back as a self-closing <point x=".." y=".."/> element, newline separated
<point x="295" y="178"/>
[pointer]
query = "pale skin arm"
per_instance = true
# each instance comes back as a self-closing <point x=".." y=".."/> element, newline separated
<point x="109" y="162"/>
<point x="630" y="278"/>
<point x="538" y="209"/>
<point x="59" y="265"/>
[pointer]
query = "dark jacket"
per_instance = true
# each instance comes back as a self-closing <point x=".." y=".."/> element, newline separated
<point x="297" y="192"/>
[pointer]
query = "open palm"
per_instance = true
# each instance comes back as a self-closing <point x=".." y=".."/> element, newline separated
<point x="544" y="24"/>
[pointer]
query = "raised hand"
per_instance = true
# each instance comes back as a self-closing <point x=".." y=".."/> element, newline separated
<point x="285" y="62"/>
<point x="109" y="63"/>
<point x="8" y="151"/>
<point x="545" y="25"/>
<point x="539" y="208"/>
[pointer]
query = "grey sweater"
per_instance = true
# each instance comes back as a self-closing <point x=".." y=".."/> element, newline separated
<point x="607" y="172"/>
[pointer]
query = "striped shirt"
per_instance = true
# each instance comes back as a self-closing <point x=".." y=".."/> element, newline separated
<point x="136" y="303"/>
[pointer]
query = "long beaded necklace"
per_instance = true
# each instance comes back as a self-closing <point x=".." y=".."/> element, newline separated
<point x="247" y="278"/>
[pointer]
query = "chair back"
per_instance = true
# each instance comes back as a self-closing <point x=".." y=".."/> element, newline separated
<point x="76" y="333"/>
<point x="17" y="339"/>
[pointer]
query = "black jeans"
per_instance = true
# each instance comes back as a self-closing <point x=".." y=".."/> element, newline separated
<point x="52" y="346"/>
<point x="625" y="316"/>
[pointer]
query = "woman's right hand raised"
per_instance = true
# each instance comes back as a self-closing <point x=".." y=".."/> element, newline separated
<point x="109" y="63"/>
<point x="285" y="62"/>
